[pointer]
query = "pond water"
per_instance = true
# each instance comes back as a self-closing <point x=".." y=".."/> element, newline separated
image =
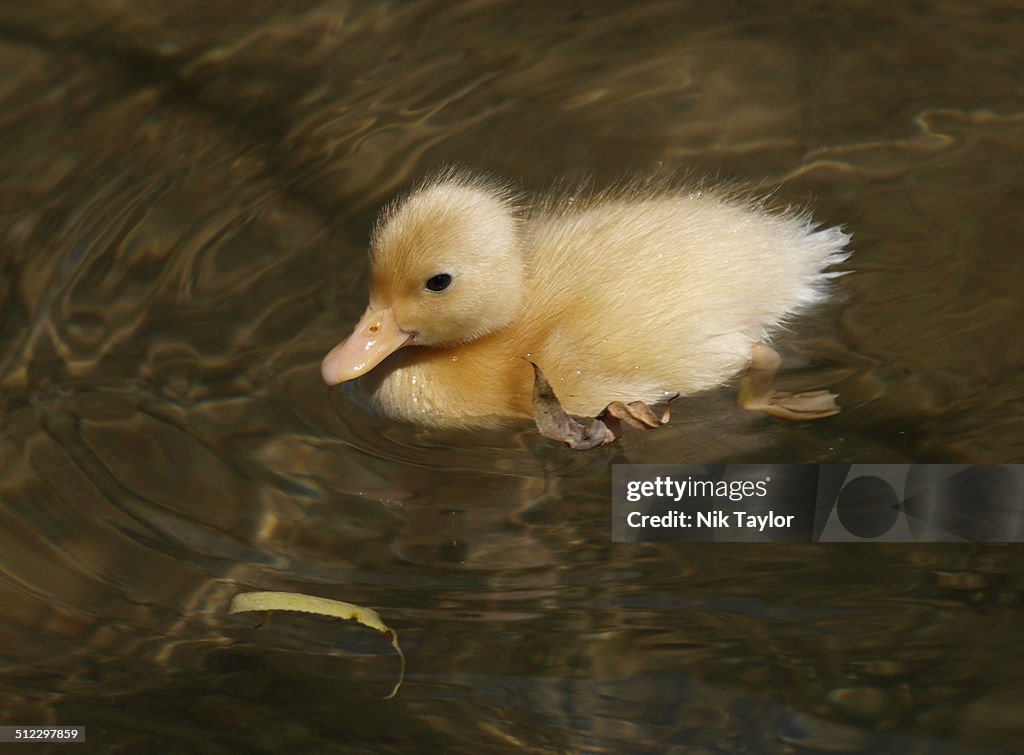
<point x="186" y="190"/>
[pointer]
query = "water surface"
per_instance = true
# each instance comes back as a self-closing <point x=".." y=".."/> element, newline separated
<point x="185" y="195"/>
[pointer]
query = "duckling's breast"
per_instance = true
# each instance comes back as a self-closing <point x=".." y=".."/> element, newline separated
<point x="475" y="384"/>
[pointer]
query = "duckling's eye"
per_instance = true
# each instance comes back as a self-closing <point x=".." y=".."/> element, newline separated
<point x="438" y="283"/>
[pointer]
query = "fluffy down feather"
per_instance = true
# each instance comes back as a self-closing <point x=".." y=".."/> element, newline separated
<point x="632" y="294"/>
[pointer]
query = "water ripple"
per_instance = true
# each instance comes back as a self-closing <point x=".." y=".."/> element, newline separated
<point x="186" y="191"/>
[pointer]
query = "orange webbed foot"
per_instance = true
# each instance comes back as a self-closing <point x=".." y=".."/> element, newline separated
<point x="757" y="391"/>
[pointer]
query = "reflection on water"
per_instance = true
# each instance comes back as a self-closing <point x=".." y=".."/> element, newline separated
<point x="185" y="194"/>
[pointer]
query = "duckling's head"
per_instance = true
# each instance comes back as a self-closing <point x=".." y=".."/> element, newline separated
<point x="446" y="268"/>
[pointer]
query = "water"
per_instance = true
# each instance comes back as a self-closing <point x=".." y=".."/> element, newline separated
<point x="185" y="195"/>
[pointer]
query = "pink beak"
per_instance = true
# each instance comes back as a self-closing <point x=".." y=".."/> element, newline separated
<point x="374" y="338"/>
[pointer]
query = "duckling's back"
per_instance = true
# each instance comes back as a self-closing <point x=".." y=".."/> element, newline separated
<point x="650" y="296"/>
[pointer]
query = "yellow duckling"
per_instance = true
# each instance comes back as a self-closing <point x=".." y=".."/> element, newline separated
<point x="633" y="295"/>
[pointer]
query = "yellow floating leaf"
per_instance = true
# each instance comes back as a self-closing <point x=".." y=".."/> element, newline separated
<point x="294" y="601"/>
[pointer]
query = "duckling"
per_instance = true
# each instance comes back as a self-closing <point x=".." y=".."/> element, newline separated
<point x="621" y="299"/>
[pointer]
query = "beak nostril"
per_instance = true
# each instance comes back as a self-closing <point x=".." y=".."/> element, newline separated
<point x="375" y="337"/>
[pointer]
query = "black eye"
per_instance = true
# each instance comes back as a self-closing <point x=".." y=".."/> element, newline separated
<point x="438" y="283"/>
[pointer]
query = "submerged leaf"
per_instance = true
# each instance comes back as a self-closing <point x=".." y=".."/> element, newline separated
<point x="294" y="601"/>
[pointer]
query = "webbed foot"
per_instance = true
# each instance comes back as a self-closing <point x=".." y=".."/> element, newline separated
<point x="757" y="391"/>
<point x="636" y="414"/>
<point x="553" y="421"/>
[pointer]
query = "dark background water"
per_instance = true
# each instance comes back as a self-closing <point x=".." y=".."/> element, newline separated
<point x="186" y="191"/>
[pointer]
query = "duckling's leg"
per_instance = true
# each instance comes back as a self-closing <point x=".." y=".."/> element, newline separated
<point x="757" y="390"/>
<point x="553" y="421"/>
